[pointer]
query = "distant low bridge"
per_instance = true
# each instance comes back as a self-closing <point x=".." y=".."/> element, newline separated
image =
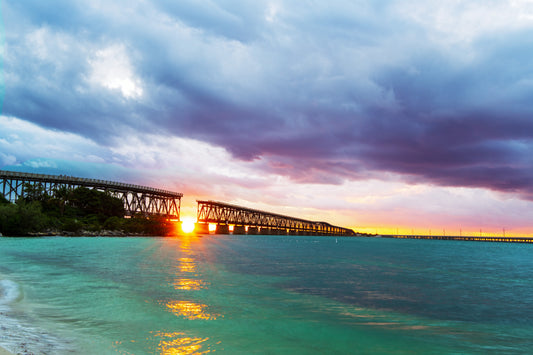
<point x="137" y="199"/>
<point x="246" y="220"/>
<point x="467" y="238"/>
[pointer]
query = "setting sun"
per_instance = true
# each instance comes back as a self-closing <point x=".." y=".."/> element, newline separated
<point x="187" y="225"/>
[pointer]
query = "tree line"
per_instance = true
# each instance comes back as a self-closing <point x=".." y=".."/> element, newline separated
<point x="71" y="211"/>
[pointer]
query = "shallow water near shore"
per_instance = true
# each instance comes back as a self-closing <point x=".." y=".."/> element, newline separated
<point x="264" y="295"/>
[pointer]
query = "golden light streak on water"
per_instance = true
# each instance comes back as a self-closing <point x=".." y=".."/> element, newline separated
<point x="185" y="280"/>
<point x="189" y="284"/>
<point x="179" y="343"/>
<point x="187" y="265"/>
<point x="190" y="310"/>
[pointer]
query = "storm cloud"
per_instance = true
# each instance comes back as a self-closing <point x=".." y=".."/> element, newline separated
<point x="318" y="92"/>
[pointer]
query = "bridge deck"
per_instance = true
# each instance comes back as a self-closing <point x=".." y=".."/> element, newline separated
<point x="224" y="214"/>
<point x="471" y="238"/>
<point x="136" y="198"/>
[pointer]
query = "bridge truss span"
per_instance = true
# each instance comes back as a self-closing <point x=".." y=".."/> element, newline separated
<point x="242" y="218"/>
<point x="137" y="199"/>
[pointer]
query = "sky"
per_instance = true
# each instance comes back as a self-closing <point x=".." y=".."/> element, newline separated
<point x="382" y="116"/>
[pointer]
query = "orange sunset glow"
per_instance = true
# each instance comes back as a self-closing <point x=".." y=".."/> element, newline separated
<point x="187" y="224"/>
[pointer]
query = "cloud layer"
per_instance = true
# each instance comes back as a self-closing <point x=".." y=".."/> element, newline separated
<point x="320" y="93"/>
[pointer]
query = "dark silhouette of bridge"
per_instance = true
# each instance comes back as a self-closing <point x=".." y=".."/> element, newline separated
<point x="246" y="220"/>
<point x="137" y="199"/>
<point x="151" y="201"/>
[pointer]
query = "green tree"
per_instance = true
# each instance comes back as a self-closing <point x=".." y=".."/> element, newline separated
<point x="94" y="202"/>
<point x="73" y="210"/>
<point x="114" y="223"/>
<point x="61" y="197"/>
<point x="21" y="218"/>
<point x="153" y="225"/>
<point x="35" y="192"/>
<point x="3" y="200"/>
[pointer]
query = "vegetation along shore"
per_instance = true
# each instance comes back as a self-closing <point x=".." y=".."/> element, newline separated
<point x="79" y="211"/>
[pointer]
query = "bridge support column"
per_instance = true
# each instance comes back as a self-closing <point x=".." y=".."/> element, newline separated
<point x="202" y="228"/>
<point x="239" y="230"/>
<point x="177" y="228"/>
<point x="253" y="230"/>
<point x="222" y="229"/>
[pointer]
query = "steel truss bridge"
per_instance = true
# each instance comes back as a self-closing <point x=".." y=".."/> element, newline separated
<point x="247" y="220"/>
<point x="137" y="199"/>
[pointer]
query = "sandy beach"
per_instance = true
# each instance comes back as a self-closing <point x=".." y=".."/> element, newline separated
<point x="4" y="351"/>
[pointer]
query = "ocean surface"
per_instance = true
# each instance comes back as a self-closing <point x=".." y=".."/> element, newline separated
<point x="264" y="295"/>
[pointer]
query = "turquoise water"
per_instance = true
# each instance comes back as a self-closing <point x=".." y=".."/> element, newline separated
<point x="264" y="295"/>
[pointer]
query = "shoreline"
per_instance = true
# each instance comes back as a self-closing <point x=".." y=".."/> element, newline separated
<point x="4" y="351"/>
<point x="85" y="233"/>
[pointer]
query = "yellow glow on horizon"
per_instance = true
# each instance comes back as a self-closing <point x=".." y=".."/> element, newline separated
<point x="446" y="231"/>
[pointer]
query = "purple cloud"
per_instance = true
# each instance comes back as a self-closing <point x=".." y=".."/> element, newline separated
<point x="321" y="94"/>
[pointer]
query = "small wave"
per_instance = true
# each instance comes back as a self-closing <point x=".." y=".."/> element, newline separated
<point x="16" y="333"/>
<point x="10" y="292"/>
<point x="19" y="338"/>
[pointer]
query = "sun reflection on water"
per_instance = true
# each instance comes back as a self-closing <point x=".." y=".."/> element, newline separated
<point x="190" y="310"/>
<point x="189" y="284"/>
<point x="187" y="281"/>
<point x="179" y="343"/>
<point x="187" y="265"/>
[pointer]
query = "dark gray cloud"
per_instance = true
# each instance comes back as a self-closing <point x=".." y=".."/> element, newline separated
<point x="320" y="93"/>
